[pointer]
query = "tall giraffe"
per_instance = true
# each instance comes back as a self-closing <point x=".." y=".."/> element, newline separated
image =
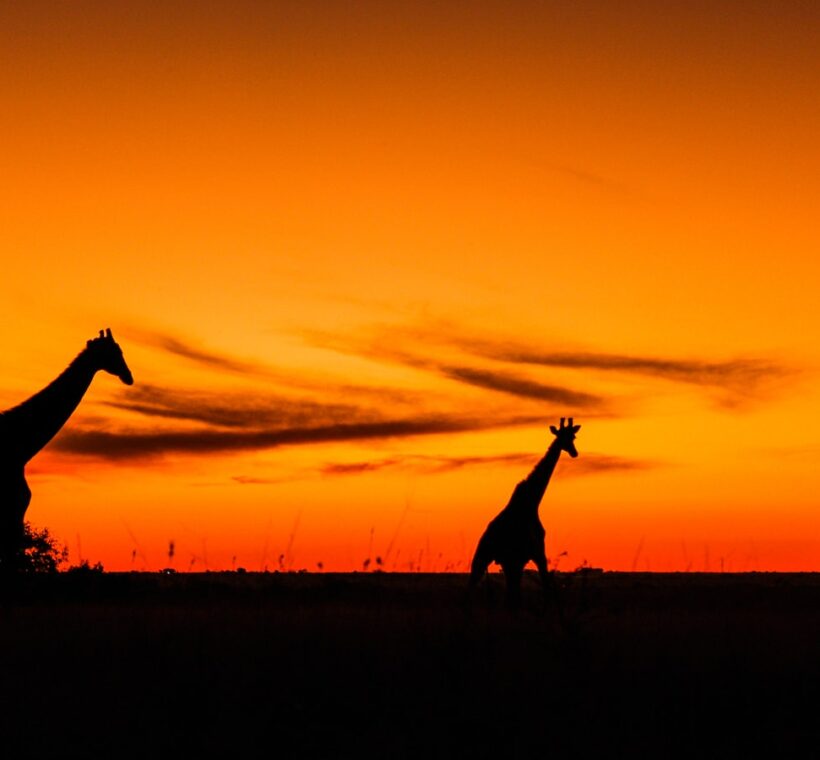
<point x="515" y="536"/>
<point x="27" y="428"/>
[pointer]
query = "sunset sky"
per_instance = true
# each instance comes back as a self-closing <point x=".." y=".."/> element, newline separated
<point x="360" y="256"/>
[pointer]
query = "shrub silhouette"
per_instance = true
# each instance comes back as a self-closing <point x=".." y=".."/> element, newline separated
<point x="86" y="568"/>
<point x="40" y="551"/>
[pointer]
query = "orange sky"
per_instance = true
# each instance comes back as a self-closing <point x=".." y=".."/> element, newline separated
<point x="368" y="252"/>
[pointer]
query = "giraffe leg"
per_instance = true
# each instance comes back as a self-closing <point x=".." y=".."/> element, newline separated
<point x="548" y="585"/>
<point x="481" y="561"/>
<point x="512" y="574"/>
<point x="547" y="579"/>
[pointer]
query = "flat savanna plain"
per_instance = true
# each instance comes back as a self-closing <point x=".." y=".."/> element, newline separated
<point x="404" y="665"/>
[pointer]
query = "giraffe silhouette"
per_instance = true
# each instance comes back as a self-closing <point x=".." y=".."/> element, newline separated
<point x="27" y="428"/>
<point x="515" y="536"/>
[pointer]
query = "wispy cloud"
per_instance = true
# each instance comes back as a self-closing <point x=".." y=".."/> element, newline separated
<point x="732" y="382"/>
<point x="286" y="380"/>
<point x="595" y="464"/>
<point x="493" y="379"/>
<point x="516" y="385"/>
<point x="357" y="468"/>
<point x="137" y="444"/>
<point x="586" y="177"/>
<point x="202" y="356"/>
<point x="694" y="371"/>
<point x="237" y="410"/>
<point x="428" y="463"/>
<point x="433" y="464"/>
<point x="211" y="422"/>
<point x="250" y="480"/>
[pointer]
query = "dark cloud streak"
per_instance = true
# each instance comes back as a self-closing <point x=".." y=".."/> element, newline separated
<point x="594" y="464"/>
<point x="140" y="444"/>
<point x="721" y="373"/>
<point x="742" y="376"/>
<point x="515" y="385"/>
<point x="422" y="462"/>
<point x="236" y="410"/>
<point x="733" y="383"/>
<point x="201" y="356"/>
<point x="588" y="464"/>
<point x="587" y="177"/>
<point x="488" y="379"/>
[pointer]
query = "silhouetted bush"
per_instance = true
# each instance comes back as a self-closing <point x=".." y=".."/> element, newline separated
<point x="86" y="568"/>
<point x="41" y="552"/>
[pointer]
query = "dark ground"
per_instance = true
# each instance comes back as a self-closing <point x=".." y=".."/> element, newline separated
<point x="399" y="666"/>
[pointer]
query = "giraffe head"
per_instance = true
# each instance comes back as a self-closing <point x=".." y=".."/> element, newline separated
<point x="565" y="436"/>
<point x="107" y="356"/>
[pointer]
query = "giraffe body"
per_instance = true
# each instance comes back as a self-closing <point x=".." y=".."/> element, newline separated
<point x="516" y="536"/>
<point x="27" y="428"/>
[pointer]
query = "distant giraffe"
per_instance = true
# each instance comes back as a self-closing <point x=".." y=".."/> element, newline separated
<point x="516" y="535"/>
<point x="27" y="428"/>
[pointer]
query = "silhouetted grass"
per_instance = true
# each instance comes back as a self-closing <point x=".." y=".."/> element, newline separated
<point x="366" y="665"/>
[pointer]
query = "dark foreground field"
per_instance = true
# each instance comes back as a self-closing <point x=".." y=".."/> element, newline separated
<point x="398" y="666"/>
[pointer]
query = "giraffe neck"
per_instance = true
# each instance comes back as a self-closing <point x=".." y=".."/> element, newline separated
<point x="529" y="492"/>
<point x="542" y="472"/>
<point x="27" y="428"/>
